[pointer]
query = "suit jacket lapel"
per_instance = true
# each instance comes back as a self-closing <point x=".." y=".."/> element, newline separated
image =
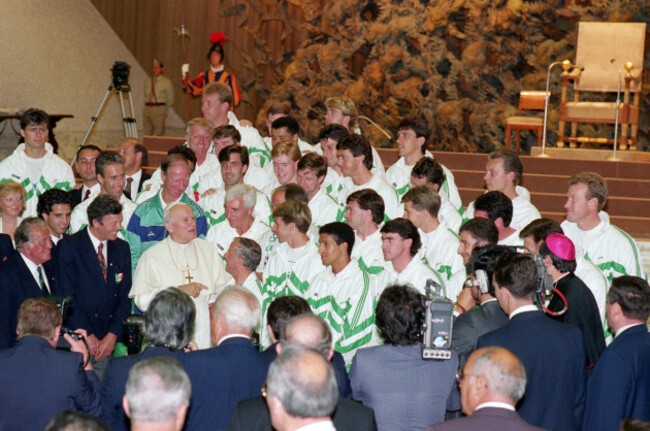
<point x="88" y="252"/>
<point x="31" y="284"/>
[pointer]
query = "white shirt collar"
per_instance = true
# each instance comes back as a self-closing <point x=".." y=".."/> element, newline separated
<point x="625" y="328"/>
<point x="33" y="269"/>
<point x="55" y="239"/>
<point x="227" y="337"/>
<point x="523" y="309"/>
<point x="96" y="243"/>
<point x="495" y="404"/>
<point x="325" y="425"/>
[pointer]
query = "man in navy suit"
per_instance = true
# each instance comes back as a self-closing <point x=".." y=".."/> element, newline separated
<point x="232" y="371"/>
<point x="85" y="166"/>
<point x="23" y="275"/>
<point x="94" y="267"/>
<point x="552" y="352"/>
<point x="619" y="386"/>
<point x="38" y="381"/>
<point x="311" y="331"/>
<point x="491" y="383"/>
<point x="135" y="155"/>
<point x="55" y="207"/>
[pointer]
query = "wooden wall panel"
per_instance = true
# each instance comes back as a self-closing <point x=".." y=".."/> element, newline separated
<point x="255" y="50"/>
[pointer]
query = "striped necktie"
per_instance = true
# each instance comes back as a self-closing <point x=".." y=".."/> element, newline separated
<point x="102" y="259"/>
<point x="41" y="280"/>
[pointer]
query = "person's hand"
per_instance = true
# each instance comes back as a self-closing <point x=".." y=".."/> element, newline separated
<point x="185" y="70"/>
<point x="79" y="346"/>
<point x="465" y="300"/>
<point x="209" y="192"/>
<point x="106" y="346"/>
<point x="245" y="123"/>
<point x="193" y="289"/>
<point x="93" y="343"/>
<point x="77" y="186"/>
<point x="191" y="347"/>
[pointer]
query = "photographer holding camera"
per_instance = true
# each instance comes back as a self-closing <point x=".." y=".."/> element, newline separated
<point x="404" y="390"/>
<point x="40" y="381"/>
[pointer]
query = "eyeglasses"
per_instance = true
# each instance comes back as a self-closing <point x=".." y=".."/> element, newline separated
<point x="460" y="375"/>
<point x="264" y="387"/>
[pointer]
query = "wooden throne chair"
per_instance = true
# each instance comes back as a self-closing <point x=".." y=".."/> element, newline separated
<point x="604" y="52"/>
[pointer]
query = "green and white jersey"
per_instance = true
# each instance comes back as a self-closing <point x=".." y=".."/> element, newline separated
<point x="448" y="214"/>
<point x="610" y="248"/>
<point x="595" y="280"/>
<point x="523" y="211"/>
<point x="221" y="235"/>
<point x="345" y="300"/>
<point x="367" y="252"/>
<point x="324" y="208"/>
<point x="416" y="274"/>
<point x="440" y="249"/>
<point x="289" y="271"/>
<point x="215" y="212"/>
<point x="399" y="177"/>
<point x="378" y="184"/>
<point x="455" y="284"/>
<point x="55" y="174"/>
<point x="79" y="216"/>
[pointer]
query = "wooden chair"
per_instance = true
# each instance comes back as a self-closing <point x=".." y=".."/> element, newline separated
<point x="528" y="101"/>
<point x="604" y="47"/>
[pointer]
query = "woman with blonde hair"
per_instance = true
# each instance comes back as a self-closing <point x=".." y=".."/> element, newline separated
<point x="12" y="206"/>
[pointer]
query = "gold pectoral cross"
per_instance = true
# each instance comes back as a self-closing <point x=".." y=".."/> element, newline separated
<point x="189" y="277"/>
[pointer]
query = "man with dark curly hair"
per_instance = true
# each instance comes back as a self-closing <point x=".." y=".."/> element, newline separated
<point x="405" y="391"/>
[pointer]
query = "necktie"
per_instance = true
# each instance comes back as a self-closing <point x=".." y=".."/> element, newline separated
<point x="102" y="260"/>
<point x="127" y="188"/>
<point x="86" y="194"/>
<point x="41" y="280"/>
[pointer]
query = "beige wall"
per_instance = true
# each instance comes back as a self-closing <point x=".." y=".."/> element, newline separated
<point x="57" y="56"/>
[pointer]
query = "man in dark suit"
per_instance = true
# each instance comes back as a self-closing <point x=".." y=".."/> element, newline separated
<point x="310" y="331"/>
<point x="491" y="383"/>
<point x="85" y="166"/>
<point x="619" y="386"/>
<point x="168" y="327"/>
<point x="300" y="390"/>
<point x="283" y="309"/>
<point x="135" y="155"/>
<point x="23" y="275"/>
<point x="552" y="353"/>
<point x="54" y="207"/>
<point x="6" y="247"/>
<point x="488" y="316"/>
<point x="38" y="381"/>
<point x="94" y="267"/>
<point x="232" y="371"/>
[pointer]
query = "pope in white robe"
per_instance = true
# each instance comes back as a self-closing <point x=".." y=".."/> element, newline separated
<point x="181" y="260"/>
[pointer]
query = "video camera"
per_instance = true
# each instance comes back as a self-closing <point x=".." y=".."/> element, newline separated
<point x="438" y="323"/>
<point x="120" y="71"/>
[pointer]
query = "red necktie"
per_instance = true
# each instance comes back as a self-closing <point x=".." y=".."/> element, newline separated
<point x="86" y="195"/>
<point x="102" y="260"/>
<point x="127" y="188"/>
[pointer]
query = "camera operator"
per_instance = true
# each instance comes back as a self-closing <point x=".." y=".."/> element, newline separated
<point x="488" y="316"/>
<point x="39" y="381"/>
<point x="411" y="392"/>
<point x="168" y="324"/>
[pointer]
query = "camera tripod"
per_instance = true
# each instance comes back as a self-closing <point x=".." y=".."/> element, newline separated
<point x="123" y="88"/>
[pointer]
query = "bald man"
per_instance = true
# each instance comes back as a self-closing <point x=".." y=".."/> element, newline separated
<point x="491" y="383"/>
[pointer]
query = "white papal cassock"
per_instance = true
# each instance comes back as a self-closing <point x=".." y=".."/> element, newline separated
<point x="166" y="264"/>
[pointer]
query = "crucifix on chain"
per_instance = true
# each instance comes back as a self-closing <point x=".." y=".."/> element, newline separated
<point x="189" y="277"/>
